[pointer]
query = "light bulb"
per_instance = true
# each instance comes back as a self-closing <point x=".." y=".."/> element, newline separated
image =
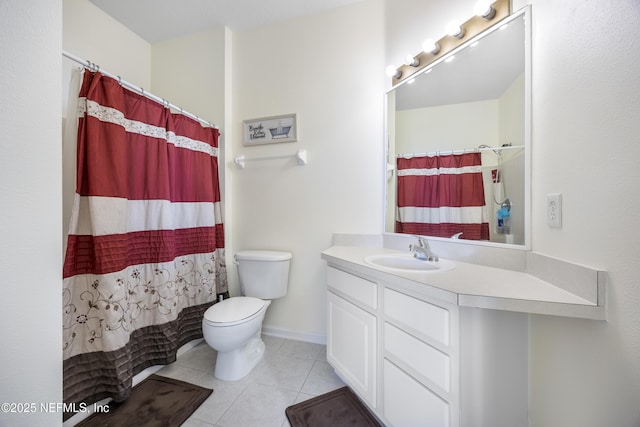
<point x="430" y="46"/>
<point x="455" y="30"/>
<point x="483" y="8"/>
<point x="411" y="61"/>
<point x="392" y="71"/>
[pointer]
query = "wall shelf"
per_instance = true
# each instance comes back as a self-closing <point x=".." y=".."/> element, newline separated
<point x="300" y="156"/>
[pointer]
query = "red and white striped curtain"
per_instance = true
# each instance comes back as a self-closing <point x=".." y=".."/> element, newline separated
<point x="145" y="252"/>
<point x="441" y="196"/>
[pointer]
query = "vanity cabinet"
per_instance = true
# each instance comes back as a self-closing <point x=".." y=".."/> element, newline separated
<point x="417" y="360"/>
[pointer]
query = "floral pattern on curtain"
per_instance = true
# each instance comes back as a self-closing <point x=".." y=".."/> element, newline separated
<point x="145" y="251"/>
<point x="441" y="196"/>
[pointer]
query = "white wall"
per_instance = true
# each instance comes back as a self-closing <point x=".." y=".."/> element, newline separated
<point x="586" y="122"/>
<point x="190" y="72"/>
<point x="511" y="107"/>
<point x="327" y="69"/>
<point x="30" y="195"/>
<point x="585" y="128"/>
<point x="94" y="35"/>
<point x="448" y="127"/>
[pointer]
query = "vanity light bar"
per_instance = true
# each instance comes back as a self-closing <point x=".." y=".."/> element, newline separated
<point x="499" y="10"/>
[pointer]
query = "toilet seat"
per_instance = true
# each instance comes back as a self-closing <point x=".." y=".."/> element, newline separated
<point x="233" y="311"/>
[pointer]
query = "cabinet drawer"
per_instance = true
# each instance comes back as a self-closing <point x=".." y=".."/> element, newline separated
<point x="427" y="319"/>
<point x="424" y="359"/>
<point x="361" y="290"/>
<point x="408" y="403"/>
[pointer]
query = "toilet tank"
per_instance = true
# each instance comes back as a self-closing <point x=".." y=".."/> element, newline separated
<point x="263" y="274"/>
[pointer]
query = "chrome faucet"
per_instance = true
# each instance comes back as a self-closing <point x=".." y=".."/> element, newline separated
<point x="422" y="250"/>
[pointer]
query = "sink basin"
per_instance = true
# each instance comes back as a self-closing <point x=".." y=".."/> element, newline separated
<point x="407" y="263"/>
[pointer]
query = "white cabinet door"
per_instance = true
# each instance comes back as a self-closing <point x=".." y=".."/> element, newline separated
<point x="351" y="346"/>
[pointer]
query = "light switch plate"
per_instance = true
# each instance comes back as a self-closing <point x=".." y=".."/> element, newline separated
<point x="554" y="210"/>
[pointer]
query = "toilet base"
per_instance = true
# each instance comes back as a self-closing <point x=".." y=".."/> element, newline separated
<point x="236" y="364"/>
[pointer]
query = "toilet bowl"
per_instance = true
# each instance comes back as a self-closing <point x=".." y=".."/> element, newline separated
<point x="233" y="326"/>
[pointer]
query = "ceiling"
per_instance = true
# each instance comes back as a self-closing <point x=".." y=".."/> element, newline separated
<point x="159" y="20"/>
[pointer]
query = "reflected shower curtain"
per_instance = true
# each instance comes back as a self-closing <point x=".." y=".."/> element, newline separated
<point x="145" y="251"/>
<point x="441" y="196"/>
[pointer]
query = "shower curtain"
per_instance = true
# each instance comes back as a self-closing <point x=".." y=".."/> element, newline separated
<point x="145" y="251"/>
<point x="442" y="195"/>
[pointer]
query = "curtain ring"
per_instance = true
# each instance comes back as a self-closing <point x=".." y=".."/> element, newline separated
<point x="120" y="80"/>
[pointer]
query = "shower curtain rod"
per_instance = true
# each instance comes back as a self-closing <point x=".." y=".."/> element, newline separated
<point x="467" y="150"/>
<point x="95" y="67"/>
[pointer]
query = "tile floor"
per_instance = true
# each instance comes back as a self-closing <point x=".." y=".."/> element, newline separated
<point x="291" y="372"/>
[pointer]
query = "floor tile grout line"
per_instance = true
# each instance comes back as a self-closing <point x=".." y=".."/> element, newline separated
<point x="307" y="377"/>
<point x="280" y="349"/>
<point x="229" y="406"/>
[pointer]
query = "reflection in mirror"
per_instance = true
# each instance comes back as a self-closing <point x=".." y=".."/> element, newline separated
<point x="458" y="142"/>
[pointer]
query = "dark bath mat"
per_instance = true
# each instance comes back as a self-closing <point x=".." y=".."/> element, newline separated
<point x="157" y="401"/>
<point x="338" y="408"/>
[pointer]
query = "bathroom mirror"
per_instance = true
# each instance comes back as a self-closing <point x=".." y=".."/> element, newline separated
<point x="475" y="99"/>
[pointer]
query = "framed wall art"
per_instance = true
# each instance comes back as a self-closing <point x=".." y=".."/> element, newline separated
<point x="270" y="130"/>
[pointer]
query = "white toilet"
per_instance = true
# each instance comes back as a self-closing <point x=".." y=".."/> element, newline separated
<point x="233" y="327"/>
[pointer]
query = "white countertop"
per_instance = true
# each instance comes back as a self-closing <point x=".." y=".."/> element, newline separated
<point x="473" y="285"/>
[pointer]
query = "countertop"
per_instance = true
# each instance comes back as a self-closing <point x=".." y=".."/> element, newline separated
<point x="472" y="285"/>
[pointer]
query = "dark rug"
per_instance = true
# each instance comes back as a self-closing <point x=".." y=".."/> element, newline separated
<point x="338" y="408"/>
<point x="156" y="401"/>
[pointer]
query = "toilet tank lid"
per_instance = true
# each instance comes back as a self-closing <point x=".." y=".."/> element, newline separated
<point x="263" y="255"/>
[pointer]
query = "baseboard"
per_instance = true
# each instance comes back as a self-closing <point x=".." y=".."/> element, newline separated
<point x="294" y="335"/>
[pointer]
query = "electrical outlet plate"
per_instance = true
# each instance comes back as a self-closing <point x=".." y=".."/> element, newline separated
<point x="554" y="210"/>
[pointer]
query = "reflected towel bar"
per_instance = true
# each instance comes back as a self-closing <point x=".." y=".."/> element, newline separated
<point x="300" y="155"/>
